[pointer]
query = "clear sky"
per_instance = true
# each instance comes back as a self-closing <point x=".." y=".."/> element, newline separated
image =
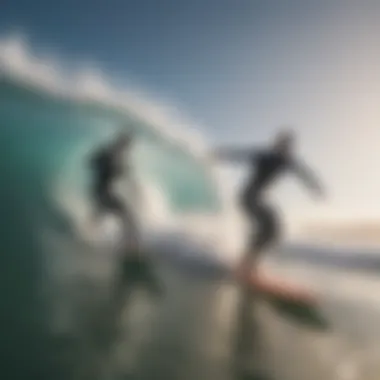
<point x="241" y="68"/>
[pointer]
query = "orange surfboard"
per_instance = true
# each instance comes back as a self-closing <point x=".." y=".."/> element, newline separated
<point x="291" y="301"/>
<point x="270" y="286"/>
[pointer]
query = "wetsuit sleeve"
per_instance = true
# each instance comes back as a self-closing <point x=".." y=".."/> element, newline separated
<point x="235" y="154"/>
<point x="307" y="176"/>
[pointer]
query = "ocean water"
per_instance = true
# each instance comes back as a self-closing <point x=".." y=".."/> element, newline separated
<point x="55" y="275"/>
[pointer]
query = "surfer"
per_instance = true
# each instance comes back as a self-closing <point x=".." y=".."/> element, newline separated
<point x="266" y="166"/>
<point x="108" y="165"/>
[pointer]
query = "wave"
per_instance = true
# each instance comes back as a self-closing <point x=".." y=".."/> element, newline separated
<point x="50" y="119"/>
<point x="65" y="114"/>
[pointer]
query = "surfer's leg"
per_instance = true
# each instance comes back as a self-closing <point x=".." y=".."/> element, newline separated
<point x="117" y="207"/>
<point x="139" y="271"/>
<point x="268" y="230"/>
<point x="100" y="206"/>
<point x="131" y="228"/>
<point x="251" y="209"/>
<point x="150" y="278"/>
<point x="265" y="232"/>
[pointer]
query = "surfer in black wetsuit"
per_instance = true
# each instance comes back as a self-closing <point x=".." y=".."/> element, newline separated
<point x="107" y="166"/>
<point x="267" y="165"/>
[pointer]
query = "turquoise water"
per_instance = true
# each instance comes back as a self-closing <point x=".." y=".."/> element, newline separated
<point x="40" y="137"/>
<point x="47" y="131"/>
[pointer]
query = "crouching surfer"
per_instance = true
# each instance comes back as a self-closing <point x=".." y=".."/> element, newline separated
<point x="266" y="166"/>
<point x="109" y="164"/>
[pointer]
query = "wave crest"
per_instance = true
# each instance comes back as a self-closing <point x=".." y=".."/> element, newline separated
<point x="171" y="158"/>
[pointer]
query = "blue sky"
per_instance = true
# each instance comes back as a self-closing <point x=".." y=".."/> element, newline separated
<point x="242" y="68"/>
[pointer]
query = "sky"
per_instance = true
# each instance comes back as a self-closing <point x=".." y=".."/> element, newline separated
<point x="241" y="69"/>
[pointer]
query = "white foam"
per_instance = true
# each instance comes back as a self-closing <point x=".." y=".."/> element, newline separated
<point x="46" y="73"/>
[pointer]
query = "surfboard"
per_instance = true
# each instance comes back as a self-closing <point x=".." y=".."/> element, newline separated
<point x="292" y="301"/>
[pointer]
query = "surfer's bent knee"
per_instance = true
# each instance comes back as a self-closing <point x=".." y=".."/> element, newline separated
<point x="265" y="229"/>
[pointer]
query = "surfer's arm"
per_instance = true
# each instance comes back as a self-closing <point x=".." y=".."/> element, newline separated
<point x="230" y="154"/>
<point x="308" y="177"/>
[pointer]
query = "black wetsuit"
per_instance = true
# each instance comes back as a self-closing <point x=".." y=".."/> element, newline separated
<point x="267" y="166"/>
<point x="106" y="169"/>
<point x="134" y="269"/>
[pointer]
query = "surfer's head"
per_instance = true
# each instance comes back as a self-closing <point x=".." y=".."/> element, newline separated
<point x="284" y="141"/>
<point x="122" y="141"/>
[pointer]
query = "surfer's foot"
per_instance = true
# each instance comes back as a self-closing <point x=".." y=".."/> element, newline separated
<point x="245" y="271"/>
<point x="248" y="265"/>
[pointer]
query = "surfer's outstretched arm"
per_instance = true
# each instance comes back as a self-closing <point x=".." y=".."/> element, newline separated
<point x="308" y="177"/>
<point x="233" y="154"/>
